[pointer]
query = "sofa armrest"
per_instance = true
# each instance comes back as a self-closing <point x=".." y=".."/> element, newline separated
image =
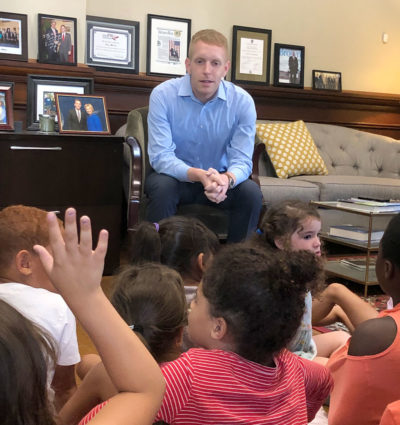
<point x="259" y="149"/>
<point x="135" y="181"/>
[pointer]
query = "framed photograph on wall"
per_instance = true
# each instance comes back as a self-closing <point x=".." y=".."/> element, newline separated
<point x="82" y="114"/>
<point x="57" y="39"/>
<point x="251" y="55"/>
<point x="167" y="45"/>
<point x="112" y="44"/>
<point x="289" y="65"/>
<point x="326" y="80"/>
<point x="41" y="98"/>
<point x="6" y="107"/>
<point x="13" y="36"/>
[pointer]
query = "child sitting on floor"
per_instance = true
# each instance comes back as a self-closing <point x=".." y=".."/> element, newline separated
<point x="244" y="374"/>
<point x="75" y="270"/>
<point x="295" y="225"/>
<point x="25" y="285"/>
<point x="367" y="369"/>
<point x="183" y="243"/>
<point x="151" y="300"/>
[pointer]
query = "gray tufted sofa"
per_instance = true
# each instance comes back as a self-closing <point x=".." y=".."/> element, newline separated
<point x="359" y="164"/>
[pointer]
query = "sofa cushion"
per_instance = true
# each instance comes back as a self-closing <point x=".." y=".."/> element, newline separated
<point x="334" y="187"/>
<point x="276" y="190"/>
<point x="291" y="149"/>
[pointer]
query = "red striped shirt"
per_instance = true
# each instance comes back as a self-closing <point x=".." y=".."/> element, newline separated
<point x="220" y="387"/>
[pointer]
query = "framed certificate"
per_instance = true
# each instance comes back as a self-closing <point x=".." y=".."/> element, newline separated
<point x="251" y="55"/>
<point x="13" y="36"/>
<point x="112" y="44"/>
<point x="167" y="45"/>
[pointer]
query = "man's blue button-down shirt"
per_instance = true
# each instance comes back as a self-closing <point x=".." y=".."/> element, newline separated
<point x="184" y="132"/>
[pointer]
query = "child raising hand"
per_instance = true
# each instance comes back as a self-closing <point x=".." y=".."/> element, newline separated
<point x="76" y="270"/>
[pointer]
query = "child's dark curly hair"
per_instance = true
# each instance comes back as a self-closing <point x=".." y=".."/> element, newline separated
<point x="260" y="294"/>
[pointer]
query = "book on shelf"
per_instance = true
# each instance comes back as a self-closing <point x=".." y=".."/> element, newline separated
<point x="356" y="233"/>
<point x="368" y="205"/>
<point x="360" y="264"/>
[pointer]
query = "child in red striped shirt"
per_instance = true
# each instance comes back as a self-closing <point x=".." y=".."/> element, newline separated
<point x="247" y="308"/>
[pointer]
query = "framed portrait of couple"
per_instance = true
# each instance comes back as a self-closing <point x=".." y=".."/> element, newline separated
<point x="57" y="40"/>
<point x="82" y="114"/>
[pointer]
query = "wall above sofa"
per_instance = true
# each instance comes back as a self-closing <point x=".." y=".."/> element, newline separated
<point x="372" y="112"/>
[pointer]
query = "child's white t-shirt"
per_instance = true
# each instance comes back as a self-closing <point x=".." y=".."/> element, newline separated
<point x="49" y="311"/>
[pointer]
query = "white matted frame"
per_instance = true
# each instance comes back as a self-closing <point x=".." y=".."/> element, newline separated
<point x="167" y="45"/>
<point x="41" y="99"/>
<point x="112" y="44"/>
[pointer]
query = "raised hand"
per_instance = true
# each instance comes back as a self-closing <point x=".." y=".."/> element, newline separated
<point x="73" y="267"/>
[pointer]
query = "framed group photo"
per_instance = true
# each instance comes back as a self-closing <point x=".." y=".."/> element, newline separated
<point x="251" y="55"/>
<point x="82" y="114"/>
<point x="112" y="44"/>
<point x="6" y="107"/>
<point x="57" y="40"/>
<point x="326" y="80"/>
<point x="13" y="36"/>
<point x="289" y="65"/>
<point x="41" y="98"/>
<point x="167" y="45"/>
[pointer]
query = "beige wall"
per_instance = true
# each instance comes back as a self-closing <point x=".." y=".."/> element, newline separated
<point x="339" y="35"/>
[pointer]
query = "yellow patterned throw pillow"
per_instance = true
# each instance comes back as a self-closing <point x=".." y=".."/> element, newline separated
<point x="291" y="149"/>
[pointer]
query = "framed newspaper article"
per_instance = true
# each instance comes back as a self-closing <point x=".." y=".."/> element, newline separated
<point x="167" y="45"/>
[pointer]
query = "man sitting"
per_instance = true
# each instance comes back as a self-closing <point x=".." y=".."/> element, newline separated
<point x="201" y="140"/>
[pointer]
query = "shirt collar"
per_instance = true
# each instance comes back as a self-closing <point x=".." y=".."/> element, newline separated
<point x="186" y="89"/>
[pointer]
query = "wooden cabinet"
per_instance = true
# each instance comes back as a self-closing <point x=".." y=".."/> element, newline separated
<point x="53" y="172"/>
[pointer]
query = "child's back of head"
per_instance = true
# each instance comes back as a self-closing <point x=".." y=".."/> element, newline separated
<point x="151" y="299"/>
<point x="23" y="370"/>
<point x="260" y="295"/>
<point x="21" y="228"/>
<point x="176" y="242"/>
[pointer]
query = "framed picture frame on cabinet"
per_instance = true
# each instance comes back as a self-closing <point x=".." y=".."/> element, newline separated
<point x="41" y="98"/>
<point x="6" y="107"/>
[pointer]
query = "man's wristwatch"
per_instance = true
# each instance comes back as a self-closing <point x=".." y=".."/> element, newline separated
<point x="231" y="182"/>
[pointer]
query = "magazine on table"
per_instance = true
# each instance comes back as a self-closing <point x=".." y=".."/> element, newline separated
<point x="356" y="233"/>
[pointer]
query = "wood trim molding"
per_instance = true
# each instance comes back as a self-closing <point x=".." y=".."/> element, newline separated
<point x="372" y="112"/>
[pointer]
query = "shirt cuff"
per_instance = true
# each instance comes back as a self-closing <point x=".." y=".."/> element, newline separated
<point x="239" y="174"/>
<point x="181" y="172"/>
